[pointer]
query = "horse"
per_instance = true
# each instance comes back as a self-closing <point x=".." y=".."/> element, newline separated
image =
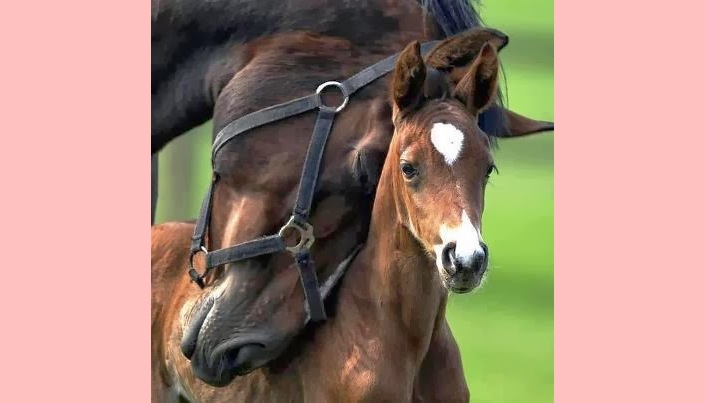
<point x="383" y="343"/>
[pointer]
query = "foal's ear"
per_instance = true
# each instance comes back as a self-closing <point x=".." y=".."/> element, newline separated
<point x="479" y="85"/>
<point x="518" y="125"/>
<point x="409" y="78"/>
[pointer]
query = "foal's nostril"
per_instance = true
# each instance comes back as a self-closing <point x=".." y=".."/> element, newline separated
<point x="448" y="258"/>
<point x="479" y="259"/>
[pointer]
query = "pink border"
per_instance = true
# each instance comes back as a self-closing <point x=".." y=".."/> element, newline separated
<point x="629" y="271"/>
<point x="76" y="115"/>
<point x="629" y="266"/>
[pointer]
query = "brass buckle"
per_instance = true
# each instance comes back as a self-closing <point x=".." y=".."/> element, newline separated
<point x="304" y="231"/>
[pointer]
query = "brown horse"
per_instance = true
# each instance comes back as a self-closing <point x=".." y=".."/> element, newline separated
<point x="384" y="342"/>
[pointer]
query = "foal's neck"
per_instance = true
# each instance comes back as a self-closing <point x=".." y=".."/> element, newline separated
<point x="402" y="278"/>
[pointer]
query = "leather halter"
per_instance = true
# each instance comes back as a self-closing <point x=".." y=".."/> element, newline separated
<point x="298" y="222"/>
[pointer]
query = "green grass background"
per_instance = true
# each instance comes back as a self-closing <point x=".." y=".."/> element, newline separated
<point x="505" y="330"/>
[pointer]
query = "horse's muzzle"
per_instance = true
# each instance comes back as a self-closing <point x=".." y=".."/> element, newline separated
<point x="229" y="360"/>
<point x="240" y="352"/>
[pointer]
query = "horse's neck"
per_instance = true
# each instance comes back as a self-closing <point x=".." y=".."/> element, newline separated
<point x="195" y="51"/>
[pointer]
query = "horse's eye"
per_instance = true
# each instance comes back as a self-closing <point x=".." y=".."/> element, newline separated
<point x="493" y="168"/>
<point x="408" y="170"/>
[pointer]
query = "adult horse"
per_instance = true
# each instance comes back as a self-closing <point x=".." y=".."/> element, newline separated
<point x="388" y="340"/>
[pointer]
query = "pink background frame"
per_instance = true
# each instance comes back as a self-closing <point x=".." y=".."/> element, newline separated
<point x="629" y="197"/>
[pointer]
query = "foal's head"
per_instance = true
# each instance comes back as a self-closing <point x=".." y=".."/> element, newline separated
<point x="439" y="160"/>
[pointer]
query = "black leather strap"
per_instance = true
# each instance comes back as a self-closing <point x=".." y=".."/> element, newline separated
<point x="246" y="250"/>
<point x="379" y="69"/>
<point x="327" y="287"/>
<point x="263" y="117"/>
<point x="309" y="282"/>
<point x="302" y="209"/>
<point x="204" y="215"/>
<point x="309" y="174"/>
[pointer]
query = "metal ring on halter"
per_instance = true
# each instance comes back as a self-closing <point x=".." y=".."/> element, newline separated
<point x="193" y="254"/>
<point x="343" y="91"/>
<point x="305" y="232"/>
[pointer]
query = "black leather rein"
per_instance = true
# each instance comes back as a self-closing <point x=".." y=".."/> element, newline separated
<point x="298" y="221"/>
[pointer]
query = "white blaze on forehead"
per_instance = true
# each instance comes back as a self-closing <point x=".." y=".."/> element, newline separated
<point x="466" y="237"/>
<point x="448" y="140"/>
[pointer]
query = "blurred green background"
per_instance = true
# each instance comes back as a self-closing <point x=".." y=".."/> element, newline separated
<point x="505" y="330"/>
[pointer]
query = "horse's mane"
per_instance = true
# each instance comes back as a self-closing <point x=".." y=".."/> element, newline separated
<point x="454" y="17"/>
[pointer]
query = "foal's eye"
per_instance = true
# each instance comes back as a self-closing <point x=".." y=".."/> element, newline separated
<point x="408" y="170"/>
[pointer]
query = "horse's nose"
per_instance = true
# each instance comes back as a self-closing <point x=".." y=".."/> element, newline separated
<point x="241" y="359"/>
<point x="475" y="262"/>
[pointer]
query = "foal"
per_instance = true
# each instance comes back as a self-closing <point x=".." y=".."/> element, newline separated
<point x="425" y="231"/>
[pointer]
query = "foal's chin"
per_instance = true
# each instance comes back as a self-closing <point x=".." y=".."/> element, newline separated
<point x="463" y="284"/>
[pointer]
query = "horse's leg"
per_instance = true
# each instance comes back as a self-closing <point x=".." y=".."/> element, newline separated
<point x="441" y="378"/>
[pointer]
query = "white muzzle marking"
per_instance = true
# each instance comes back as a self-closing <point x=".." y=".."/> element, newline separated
<point x="466" y="237"/>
